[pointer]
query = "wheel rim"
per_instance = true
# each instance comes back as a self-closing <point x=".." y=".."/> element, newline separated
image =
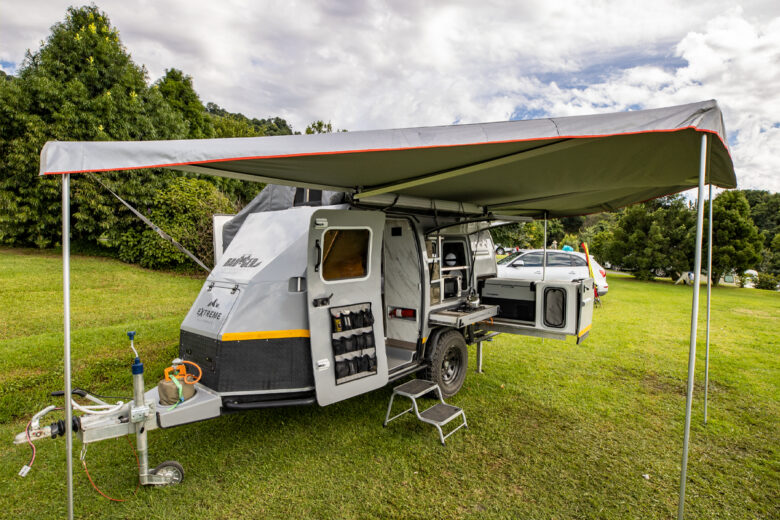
<point x="172" y="474"/>
<point x="451" y="366"/>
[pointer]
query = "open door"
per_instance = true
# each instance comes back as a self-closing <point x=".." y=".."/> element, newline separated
<point x="344" y="276"/>
<point x="548" y="309"/>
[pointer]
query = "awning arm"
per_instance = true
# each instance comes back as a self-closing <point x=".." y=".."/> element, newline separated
<point x="216" y="172"/>
<point x="473" y="168"/>
<point x="498" y="220"/>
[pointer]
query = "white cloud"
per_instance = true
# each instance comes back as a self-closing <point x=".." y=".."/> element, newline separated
<point x="387" y="64"/>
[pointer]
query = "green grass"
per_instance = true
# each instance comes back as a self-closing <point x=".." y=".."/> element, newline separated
<point x="556" y="430"/>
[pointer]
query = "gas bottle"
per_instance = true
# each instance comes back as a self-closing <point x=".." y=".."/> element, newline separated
<point x="169" y="393"/>
<point x="168" y="389"/>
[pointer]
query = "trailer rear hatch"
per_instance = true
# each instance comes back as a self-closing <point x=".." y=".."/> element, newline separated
<point x="550" y="309"/>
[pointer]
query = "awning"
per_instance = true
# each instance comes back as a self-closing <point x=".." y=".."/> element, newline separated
<point x="562" y="166"/>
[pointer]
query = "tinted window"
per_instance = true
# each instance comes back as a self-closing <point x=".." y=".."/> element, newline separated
<point x="345" y="254"/>
<point x="532" y="259"/>
<point x="578" y="261"/>
<point x="558" y="259"/>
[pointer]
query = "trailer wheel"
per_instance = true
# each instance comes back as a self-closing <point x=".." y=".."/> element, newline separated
<point x="170" y="469"/>
<point x="449" y="363"/>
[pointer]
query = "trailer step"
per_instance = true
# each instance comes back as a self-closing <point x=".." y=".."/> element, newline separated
<point x="438" y="415"/>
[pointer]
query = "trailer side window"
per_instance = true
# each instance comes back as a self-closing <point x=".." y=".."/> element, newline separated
<point x="345" y="254"/>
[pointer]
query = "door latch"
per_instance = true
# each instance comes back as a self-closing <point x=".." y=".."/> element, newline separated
<point x="322" y="302"/>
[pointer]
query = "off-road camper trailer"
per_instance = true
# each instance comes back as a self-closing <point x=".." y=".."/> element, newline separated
<point x="318" y="303"/>
<point x="328" y="302"/>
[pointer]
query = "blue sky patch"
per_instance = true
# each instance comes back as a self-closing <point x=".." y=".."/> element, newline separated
<point x="524" y="113"/>
<point x="8" y="66"/>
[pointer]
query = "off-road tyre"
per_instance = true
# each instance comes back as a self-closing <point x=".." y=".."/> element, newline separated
<point x="449" y="363"/>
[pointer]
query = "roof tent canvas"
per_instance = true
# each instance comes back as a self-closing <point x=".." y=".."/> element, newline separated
<point x="561" y="166"/>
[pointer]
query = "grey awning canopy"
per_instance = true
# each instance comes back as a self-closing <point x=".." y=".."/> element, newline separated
<point x="562" y="166"/>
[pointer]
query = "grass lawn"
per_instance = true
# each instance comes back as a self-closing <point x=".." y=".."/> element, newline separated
<point x="556" y="430"/>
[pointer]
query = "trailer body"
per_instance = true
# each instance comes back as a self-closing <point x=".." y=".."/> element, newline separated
<point x="318" y="304"/>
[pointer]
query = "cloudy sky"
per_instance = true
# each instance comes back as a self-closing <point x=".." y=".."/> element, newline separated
<point x="374" y="64"/>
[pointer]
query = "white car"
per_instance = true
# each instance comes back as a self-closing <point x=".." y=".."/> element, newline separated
<point x="561" y="265"/>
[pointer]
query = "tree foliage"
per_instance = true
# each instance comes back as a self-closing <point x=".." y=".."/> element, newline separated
<point x="184" y="209"/>
<point x="736" y="241"/>
<point x="252" y="127"/>
<point x="765" y="212"/>
<point x="178" y="91"/>
<point x="80" y="85"/>
<point x="652" y="237"/>
<point x="525" y="235"/>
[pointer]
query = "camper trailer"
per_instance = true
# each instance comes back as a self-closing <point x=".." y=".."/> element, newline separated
<point x="318" y="297"/>
<point x="321" y="303"/>
<point x="314" y="304"/>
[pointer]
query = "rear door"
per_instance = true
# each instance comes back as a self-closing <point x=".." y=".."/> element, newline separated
<point x="344" y="277"/>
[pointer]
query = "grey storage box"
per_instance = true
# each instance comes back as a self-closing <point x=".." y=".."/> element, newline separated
<point x="516" y="298"/>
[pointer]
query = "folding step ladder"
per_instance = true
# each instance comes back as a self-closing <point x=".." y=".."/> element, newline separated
<point x="438" y="415"/>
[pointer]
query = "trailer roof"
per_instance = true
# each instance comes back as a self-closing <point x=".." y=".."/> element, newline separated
<point x="562" y="166"/>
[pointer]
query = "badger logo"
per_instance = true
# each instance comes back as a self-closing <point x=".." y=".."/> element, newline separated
<point x="242" y="261"/>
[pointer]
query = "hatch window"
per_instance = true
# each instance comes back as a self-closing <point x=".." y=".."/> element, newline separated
<point x="345" y="254"/>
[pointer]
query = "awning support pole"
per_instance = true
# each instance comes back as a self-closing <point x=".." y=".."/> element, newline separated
<point x="694" y="322"/>
<point x="66" y="321"/>
<point x="544" y="249"/>
<point x="709" y="297"/>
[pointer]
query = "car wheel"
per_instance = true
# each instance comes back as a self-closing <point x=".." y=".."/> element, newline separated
<point x="500" y="251"/>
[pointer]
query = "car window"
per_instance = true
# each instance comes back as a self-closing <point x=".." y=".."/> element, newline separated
<point x="578" y="261"/>
<point x="509" y="258"/>
<point x="532" y="259"/>
<point x="558" y="260"/>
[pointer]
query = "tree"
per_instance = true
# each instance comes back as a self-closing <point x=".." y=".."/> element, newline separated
<point x="598" y="235"/>
<point x="736" y="241"/>
<point x="637" y="243"/>
<point x="184" y="210"/>
<point x="555" y="231"/>
<point x="525" y="235"/>
<point x="572" y="225"/>
<point x="238" y="122"/>
<point x="765" y="212"/>
<point x="771" y="263"/>
<point x="80" y="85"/>
<point x="178" y="91"/>
<point x="677" y="221"/>
<point x="320" y="127"/>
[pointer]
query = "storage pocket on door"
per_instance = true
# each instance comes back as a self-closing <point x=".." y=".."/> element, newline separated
<point x="352" y="338"/>
<point x="555" y="307"/>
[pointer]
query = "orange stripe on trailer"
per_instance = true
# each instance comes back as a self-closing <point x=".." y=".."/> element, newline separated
<point x="267" y="334"/>
<point x="583" y="331"/>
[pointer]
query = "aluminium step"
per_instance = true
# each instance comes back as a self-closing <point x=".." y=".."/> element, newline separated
<point x="415" y="388"/>
<point x="437" y="415"/>
<point x="440" y="414"/>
